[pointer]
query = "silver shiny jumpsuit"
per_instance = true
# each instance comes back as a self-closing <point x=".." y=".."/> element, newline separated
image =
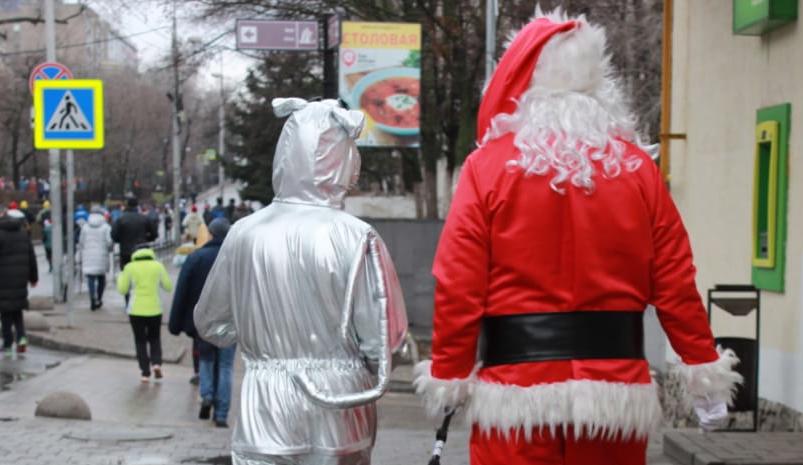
<point x="311" y="295"/>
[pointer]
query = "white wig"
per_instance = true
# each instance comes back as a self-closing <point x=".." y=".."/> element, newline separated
<point x="571" y="120"/>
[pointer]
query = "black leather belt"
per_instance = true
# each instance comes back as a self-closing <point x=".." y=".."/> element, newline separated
<point x="575" y="335"/>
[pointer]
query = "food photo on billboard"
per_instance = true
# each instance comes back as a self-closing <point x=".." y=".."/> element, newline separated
<point x="380" y="74"/>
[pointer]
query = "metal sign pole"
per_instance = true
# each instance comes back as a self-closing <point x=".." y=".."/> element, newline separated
<point x="491" y="12"/>
<point x="55" y="170"/>
<point x="70" y="275"/>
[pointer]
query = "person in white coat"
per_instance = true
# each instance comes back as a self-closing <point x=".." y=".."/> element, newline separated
<point x="95" y="244"/>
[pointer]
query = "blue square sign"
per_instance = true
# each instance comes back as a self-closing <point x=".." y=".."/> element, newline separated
<point x="68" y="114"/>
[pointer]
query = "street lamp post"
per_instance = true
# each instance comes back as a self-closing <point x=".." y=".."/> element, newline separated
<point x="55" y="170"/>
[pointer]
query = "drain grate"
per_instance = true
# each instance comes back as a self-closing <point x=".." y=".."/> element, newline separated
<point x="219" y="460"/>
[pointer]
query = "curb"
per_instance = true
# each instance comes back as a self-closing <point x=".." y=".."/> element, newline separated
<point x="45" y="342"/>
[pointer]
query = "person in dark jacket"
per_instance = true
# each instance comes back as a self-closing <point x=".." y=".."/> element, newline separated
<point x="219" y="211"/>
<point x="215" y="364"/>
<point x="18" y="269"/>
<point x="132" y="229"/>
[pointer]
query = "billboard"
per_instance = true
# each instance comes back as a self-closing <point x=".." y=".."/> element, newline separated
<point x="380" y="74"/>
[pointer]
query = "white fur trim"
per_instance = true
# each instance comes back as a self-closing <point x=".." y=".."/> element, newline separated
<point x="592" y="408"/>
<point x="714" y="381"/>
<point x="440" y="394"/>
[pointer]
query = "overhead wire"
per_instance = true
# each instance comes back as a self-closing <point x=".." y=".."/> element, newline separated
<point x="83" y="44"/>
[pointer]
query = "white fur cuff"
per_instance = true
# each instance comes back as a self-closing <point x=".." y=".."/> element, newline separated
<point x="714" y="381"/>
<point x="439" y="394"/>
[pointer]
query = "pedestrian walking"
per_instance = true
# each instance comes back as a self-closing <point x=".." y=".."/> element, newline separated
<point x="143" y="276"/>
<point x="94" y="245"/>
<point x="168" y="222"/>
<point x="240" y="212"/>
<point x="279" y="287"/>
<point x="115" y="213"/>
<point x="218" y="212"/>
<point x="207" y="213"/>
<point x="26" y="210"/>
<point x="216" y="364"/>
<point x="230" y="208"/>
<point x="131" y="230"/>
<point x="559" y="235"/>
<point x="191" y="223"/>
<point x="81" y="215"/>
<point x="18" y="270"/>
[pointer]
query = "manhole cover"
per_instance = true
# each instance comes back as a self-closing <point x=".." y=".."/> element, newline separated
<point x="219" y="460"/>
<point x="121" y="435"/>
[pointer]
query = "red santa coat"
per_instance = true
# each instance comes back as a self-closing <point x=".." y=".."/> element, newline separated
<point x="513" y="245"/>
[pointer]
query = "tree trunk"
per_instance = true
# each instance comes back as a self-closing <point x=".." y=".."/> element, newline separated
<point x="15" y="139"/>
<point x="430" y="121"/>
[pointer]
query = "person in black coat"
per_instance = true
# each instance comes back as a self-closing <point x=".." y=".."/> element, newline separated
<point x="132" y="229"/>
<point x="18" y="269"/>
<point x="215" y="364"/>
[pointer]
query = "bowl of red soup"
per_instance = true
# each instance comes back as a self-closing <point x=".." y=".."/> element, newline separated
<point x="390" y="97"/>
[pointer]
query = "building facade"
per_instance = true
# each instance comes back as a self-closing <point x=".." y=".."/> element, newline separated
<point x="737" y="177"/>
<point x="86" y="42"/>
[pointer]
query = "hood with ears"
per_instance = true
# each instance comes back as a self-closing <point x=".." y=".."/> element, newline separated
<point x="316" y="160"/>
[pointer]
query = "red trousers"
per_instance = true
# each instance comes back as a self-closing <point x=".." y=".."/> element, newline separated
<point x="559" y="449"/>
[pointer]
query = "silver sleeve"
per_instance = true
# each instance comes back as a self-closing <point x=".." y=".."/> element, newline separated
<point x="374" y="313"/>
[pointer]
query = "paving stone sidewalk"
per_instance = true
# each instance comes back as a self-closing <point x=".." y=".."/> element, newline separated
<point x="721" y="448"/>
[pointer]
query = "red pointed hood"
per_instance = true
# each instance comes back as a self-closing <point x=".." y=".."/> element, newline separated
<point x="515" y="70"/>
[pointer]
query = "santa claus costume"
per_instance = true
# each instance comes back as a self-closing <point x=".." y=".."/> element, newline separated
<point x="560" y="233"/>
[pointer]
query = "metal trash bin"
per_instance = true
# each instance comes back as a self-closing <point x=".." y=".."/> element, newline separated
<point x="741" y="300"/>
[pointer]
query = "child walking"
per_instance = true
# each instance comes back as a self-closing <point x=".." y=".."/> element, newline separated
<point x="142" y="277"/>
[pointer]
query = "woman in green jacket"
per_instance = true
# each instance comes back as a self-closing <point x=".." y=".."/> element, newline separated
<point x="142" y="277"/>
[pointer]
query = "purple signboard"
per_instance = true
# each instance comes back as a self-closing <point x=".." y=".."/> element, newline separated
<point x="259" y="34"/>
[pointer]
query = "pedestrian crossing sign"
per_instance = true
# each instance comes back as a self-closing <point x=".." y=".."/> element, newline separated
<point x="68" y="114"/>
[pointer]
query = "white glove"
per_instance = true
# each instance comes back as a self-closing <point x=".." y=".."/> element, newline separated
<point x="712" y="414"/>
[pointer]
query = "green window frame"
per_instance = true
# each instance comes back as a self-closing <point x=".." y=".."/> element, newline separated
<point x="765" y="195"/>
<point x="770" y="197"/>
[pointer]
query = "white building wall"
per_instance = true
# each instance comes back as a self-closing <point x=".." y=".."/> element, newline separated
<point x="720" y="81"/>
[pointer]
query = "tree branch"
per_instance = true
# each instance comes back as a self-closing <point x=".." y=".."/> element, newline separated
<point x="25" y="158"/>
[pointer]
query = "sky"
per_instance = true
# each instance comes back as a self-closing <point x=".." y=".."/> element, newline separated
<point x="151" y="23"/>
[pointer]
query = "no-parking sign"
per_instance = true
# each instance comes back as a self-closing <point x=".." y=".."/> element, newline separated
<point x="49" y="70"/>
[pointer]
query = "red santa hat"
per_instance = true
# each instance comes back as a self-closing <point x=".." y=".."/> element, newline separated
<point x="515" y="70"/>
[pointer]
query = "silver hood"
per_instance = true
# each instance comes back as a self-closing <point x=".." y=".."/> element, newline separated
<point x="316" y="160"/>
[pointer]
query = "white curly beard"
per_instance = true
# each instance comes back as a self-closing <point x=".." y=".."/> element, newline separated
<point x="573" y="119"/>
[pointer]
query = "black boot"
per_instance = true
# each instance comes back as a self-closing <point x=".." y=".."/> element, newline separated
<point x="206" y="410"/>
